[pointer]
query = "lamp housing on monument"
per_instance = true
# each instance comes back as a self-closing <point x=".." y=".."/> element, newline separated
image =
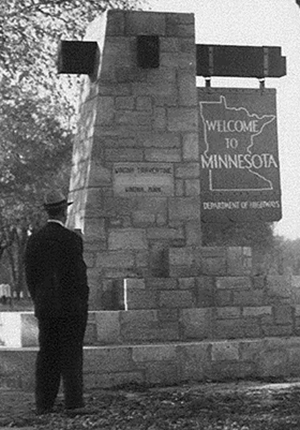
<point x="77" y="57"/>
<point x="148" y="51"/>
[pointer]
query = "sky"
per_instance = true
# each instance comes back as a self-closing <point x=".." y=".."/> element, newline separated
<point x="259" y="23"/>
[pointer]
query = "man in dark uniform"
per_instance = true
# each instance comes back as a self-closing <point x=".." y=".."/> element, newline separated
<point x="57" y="281"/>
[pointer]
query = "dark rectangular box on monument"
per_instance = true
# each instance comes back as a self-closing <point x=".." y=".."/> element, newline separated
<point x="77" y="57"/>
<point x="148" y="52"/>
<point x="240" y="61"/>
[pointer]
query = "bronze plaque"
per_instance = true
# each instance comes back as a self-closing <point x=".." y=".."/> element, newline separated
<point x="140" y="179"/>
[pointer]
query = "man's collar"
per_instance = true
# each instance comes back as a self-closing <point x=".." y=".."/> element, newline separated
<point x="56" y="221"/>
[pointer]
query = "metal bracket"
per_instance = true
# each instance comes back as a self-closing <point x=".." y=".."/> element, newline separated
<point x="208" y="82"/>
<point x="211" y="60"/>
<point x="266" y="61"/>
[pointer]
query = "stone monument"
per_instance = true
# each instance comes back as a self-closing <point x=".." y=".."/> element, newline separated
<point x="135" y="175"/>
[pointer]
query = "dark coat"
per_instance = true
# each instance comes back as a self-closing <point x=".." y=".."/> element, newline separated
<point x="56" y="272"/>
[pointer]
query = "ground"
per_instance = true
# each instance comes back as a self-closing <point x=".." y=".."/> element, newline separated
<point x="225" y="406"/>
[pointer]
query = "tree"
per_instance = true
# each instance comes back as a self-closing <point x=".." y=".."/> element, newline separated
<point x="37" y="110"/>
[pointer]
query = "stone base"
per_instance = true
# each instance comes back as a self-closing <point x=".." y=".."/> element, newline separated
<point x="142" y="326"/>
<point x="166" y="363"/>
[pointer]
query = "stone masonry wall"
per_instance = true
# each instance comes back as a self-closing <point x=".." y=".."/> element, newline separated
<point x="142" y="117"/>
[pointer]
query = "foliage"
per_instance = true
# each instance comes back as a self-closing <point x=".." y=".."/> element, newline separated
<point x="37" y="108"/>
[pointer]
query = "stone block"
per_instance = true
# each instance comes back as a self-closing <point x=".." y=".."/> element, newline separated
<point x="141" y="334"/>
<point x="179" y="187"/>
<point x="233" y="282"/>
<point x="239" y="261"/>
<point x="164" y="233"/>
<point x="133" y="120"/>
<point x="273" y="363"/>
<point x="140" y="299"/>
<point x="252" y="328"/>
<point x="225" y="371"/>
<point x="213" y="252"/>
<point x="115" y="23"/>
<point x="95" y="229"/>
<point x="194" y="361"/>
<point x="181" y="61"/>
<point x="169" y="155"/>
<point x="182" y="119"/>
<point x="184" y="208"/>
<point x="184" y="256"/>
<point x="99" y="175"/>
<point x="152" y="205"/>
<point x="205" y="291"/>
<point x="250" y="350"/>
<point x="144" y="103"/>
<point x="225" y="351"/>
<point x="134" y="318"/>
<point x="115" y="259"/>
<point x="192" y="187"/>
<point x="105" y="111"/>
<point x="17" y="369"/>
<point x="105" y="360"/>
<point x="228" y="329"/>
<point x="159" y="118"/>
<point x="228" y="312"/>
<point x="277" y="330"/>
<point x="169" y="331"/>
<point x="294" y="360"/>
<point x="154" y="353"/>
<point x="187" y="89"/>
<point x="143" y="23"/>
<point x="161" y="283"/>
<point x="248" y="298"/>
<point x="134" y="283"/>
<point x="214" y="266"/>
<point x="124" y="102"/>
<point x="130" y="238"/>
<point x="190" y="147"/>
<point x="180" y="25"/>
<point x="193" y="233"/>
<point x="143" y="218"/>
<point x="297" y="310"/>
<point x="187" y="170"/>
<point x="168" y="315"/>
<point x="108" y="327"/>
<point x="176" y="299"/>
<point x="161" y="372"/>
<point x="196" y="323"/>
<point x="139" y="325"/>
<point x="162" y="91"/>
<point x="142" y="259"/>
<point x="258" y="282"/>
<point x="283" y="314"/>
<point x="187" y="283"/>
<point x="115" y="207"/>
<point x="223" y="297"/>
<point x="255" y="311"/>
<point x="124" y="154"/>
<point x="278" y="286"/>
<point x="184" y="271"/>
<point x="18" y="329"/>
